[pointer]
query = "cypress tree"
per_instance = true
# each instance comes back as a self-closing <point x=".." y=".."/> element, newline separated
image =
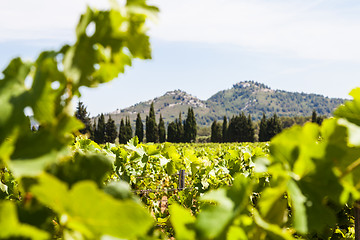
<point x="250" y="130"/>
<point x="128" y="129"/>
<point x="151" y="127"/>
<point x="93" y="130"/>
<point x="224" y="130"/>
<point x="100" y="130"/>
<point x="82" y="114"/>
<point x="314" y="116"/>
<point x="190" y="127"/>
<point x="231" y="130"/>
<point x="216" y="132"/>
<point x="262" y="130"/>
<point x="110" y="130"/>
<point x="273" y="127"/>
<point x="139" y="130"/>
<point x="241" y="129"/>
<point x="180" y="130"/>
<point x="122" y="133"/>
<point x="172" y="132"/>
<point x="162" y="134"/>
<point x="146" y="127"/>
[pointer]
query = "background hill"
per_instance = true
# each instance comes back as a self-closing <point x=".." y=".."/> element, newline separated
<point x="248" y="96"/>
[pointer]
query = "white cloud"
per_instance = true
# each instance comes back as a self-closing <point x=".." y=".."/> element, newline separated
<point x="298" y="28"/>
<point x="41" y="19"/>
<point x="303" y="29"/>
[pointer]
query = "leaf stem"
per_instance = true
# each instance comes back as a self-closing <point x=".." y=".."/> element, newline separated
<point x="350" y="168"/>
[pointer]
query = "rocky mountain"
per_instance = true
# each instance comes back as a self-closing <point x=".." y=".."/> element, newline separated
<point x="248" y="96"/>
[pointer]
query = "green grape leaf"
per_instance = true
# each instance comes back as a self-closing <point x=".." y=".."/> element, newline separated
<point x="273" y="205"/>
<point x="12" y="228"/>
<point x="87" y="209"/>
<point x="81" y="166"/>
<point x="214" y="217"/>
<point x="351" y="109"/>
<point x="236" y="233"/>
<point x="182" y="220"/>
<point x="298" y="201"/>
<point x="170" y="152"/>
<point x="273" y="229"/>
<point x="119" y="36"/>
<point x="353" y="132"/>
<point x="12" y="117"/>
<point x="152" y="150"/>
<point x="224" y="205"/>
<point x="139" y="149"/>
<point x="119" y="190"/>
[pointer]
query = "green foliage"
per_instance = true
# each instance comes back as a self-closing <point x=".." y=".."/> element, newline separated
<point x="304" y="188"/>
<point x="180" y="129"/>
<point x="139" y="128"/>
<point x="225" y="130"/>
<point x="128" y="130"/>
<point x="315" y="118"/>
<point x="122" y="133"/>
<point x="82" y="114"/>
<point x="241" y="129"/>
<point x="190" y="126"/>
<point x="151" y="126"/>
<point x="172" y="132"/>
<point x="12" y="228"/>
<point x="262" y="129"/>
<point x="100" y="134"/>
<point x="269" y="128"/>
<point x="162" y="133"/>
<point x="86" y="209"/>
<point x="110" y="130"/>
<point x="216" y="134"/>
<point x="46" y="208"/>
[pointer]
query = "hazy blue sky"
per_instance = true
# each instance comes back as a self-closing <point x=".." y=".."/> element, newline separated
<point x="203" y="46"/>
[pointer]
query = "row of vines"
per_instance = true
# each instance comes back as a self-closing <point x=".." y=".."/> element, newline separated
<point x="304" y="185"/>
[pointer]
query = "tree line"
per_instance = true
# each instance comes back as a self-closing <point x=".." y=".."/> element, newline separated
<point x="239" y="129"/>
<point x="242" y="128"/>
<point x="102" y="132"/>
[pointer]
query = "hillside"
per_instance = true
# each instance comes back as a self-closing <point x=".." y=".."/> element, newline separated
<point x="169" y="105"/>
<point x="248" y="96"/>
<point x="256" y="98"/>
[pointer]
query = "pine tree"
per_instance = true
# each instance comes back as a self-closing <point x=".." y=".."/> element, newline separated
<point x="122" y="133"/>
<point x="224" y="130"/>
<point x="190" y="127"/>
<point x="262" y="129"/>
<point x="82" y="114"/>
<point x="100" y="130"/>
<point x="151" y="127"/>
<point x="162" y="134"/>
<point x="216" y="132"/>
<point x="172" y="132"/>
<point x="139" y="130"/>
<point x="128" y="129"/>
<point x="110" y="130"/>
